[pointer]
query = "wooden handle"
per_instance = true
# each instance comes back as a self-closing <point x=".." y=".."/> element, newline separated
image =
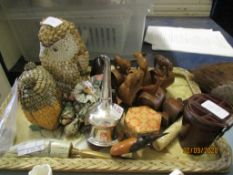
<point x="122" y="147"/>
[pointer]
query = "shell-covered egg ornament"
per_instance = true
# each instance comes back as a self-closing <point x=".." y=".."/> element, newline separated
<point x="39" y="96"/>
<point x="63" y="53"/>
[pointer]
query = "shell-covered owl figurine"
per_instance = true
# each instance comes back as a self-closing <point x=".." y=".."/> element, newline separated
<point x="39" y="96"/>
<point x="63" y="53"/>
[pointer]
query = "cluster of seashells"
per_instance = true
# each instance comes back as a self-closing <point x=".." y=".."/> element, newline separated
<point x="82" y="98"/>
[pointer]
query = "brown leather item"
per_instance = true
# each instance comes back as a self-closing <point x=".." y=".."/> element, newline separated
<point x="131" y="86"/>
<point x="200" y="127"/>
<point x="216" y="79"/>
<point x="173" y="107"/>
<point x="154" y="101"/>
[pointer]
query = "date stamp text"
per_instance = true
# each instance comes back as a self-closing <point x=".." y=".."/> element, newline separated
<point x="201" y="150"/>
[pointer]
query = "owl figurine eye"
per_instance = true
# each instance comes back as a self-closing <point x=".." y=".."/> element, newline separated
<point x="55" y="49"/>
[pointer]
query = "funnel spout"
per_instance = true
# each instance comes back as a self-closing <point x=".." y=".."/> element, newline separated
<point x="106" y="96"/>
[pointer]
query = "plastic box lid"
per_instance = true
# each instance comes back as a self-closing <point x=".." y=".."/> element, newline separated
<point x="107" y="26"/>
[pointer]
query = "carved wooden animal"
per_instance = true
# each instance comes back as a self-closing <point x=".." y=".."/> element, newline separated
<point x="130" y="87"/>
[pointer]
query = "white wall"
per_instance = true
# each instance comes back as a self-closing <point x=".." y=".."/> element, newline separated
<point x="4" y="85"/>
<point x="8" y="46"/>
<point x="181" y="8"/>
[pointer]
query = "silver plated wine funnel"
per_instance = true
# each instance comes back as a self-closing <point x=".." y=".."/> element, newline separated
<point x="104" y="116"/>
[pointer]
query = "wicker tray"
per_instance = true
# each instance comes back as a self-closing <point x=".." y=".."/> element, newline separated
<point x="166" y="161"/>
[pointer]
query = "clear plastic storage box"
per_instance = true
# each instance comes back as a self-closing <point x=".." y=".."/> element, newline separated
<point x="107" y="26"/>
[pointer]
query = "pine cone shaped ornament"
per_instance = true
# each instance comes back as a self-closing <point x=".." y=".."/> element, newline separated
<point x="39" y="96"/>
<point x="63" y="53"/>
